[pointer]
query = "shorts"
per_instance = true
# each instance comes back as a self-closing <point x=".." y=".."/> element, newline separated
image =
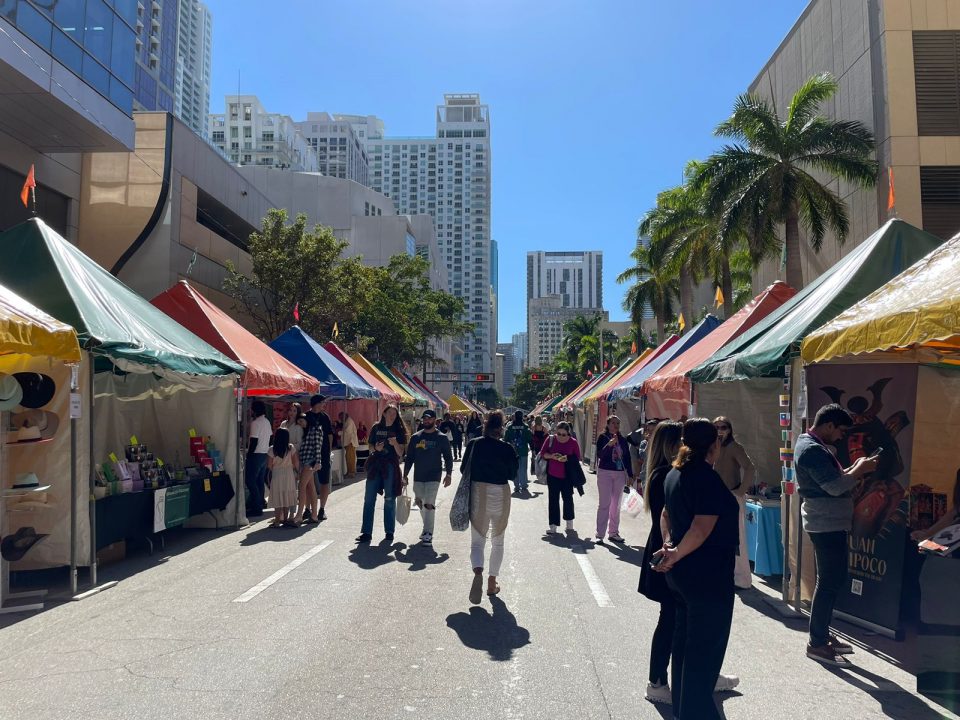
<point x="321" y="473"/>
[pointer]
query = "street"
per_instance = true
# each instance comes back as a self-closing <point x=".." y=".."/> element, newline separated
<point x="301" y="623"/>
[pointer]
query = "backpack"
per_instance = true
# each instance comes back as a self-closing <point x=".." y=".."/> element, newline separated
<point x="516" y="438"/>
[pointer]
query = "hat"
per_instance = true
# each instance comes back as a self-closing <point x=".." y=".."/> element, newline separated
<point x="47" y="422"/>
<point x="26" y="481"/>
<point x="38" y="389"/>
<point x="11" y="393"/>
<point x="15" y="546"/>
<point x="318" y="398"/>
<point x="429" y="414"/>
<point x="28" y="433"/>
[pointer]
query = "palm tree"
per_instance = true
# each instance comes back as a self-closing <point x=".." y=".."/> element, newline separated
<point x="764" y="178"/>
<point x="654" y="286"/>
<point x="574" y="331"/>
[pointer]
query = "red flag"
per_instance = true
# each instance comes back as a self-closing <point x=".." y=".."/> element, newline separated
<point x="891" y="195"/>
<point x="296" y="311"/>
<point x="589" y="373"/>
<point x="633" y="348"/>
<point x="28" y="184"/>
<point x="606" y="364"/>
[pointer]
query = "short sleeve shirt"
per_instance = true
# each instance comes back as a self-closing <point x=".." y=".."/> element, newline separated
<point x="698" y="490"/>
<point x="261" y="430"/>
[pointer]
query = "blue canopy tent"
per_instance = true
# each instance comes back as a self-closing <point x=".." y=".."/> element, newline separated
<point x="336" y="379"/>
<point x="703" y="328"/>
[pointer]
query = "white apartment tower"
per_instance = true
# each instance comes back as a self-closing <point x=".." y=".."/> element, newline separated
<point x="576" y="276"/>
<point x="191" y="93"/>
<point x="447" y="177"/>
<point x="340" y="150"/>
<point x="249" y="135"/>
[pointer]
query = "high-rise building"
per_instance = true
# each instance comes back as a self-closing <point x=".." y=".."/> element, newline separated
<point x="191" y="92"/>
<point x="249" y="135"/>
<point x="546" y="317"/>
<point x="576" y="276"/>
<point x="520" y="350"/>
<point x="508" y="371"/>
<point x="447" y="177"/>
<point x="156" y="46"/>
<point x="340" y="151"/>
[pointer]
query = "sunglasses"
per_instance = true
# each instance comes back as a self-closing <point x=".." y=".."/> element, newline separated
<point x="562" y="435"/>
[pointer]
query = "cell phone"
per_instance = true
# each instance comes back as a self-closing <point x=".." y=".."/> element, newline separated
<point x="657" y="560"/>
<point x="877" y="453"/>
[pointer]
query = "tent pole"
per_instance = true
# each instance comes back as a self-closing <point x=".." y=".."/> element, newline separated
<point x="74" y="386"/>
<point x="240" y="483"/>
<point x="92" y="504"/>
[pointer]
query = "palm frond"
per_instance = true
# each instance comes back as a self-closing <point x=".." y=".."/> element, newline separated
<point x="807" y="100"/>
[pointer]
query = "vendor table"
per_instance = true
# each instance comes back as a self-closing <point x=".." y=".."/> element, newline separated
<point x="131" y="515"/>
<point x="764" y="544"/>
<point x="338" y="466"/>
<point x="938" y="635"/>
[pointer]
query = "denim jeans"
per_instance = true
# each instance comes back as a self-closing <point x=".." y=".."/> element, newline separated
<point x="255" y="479"/>
<point x="831" y="551"/>
<point x="380" y="481"/>
<point x="520" y="481"/>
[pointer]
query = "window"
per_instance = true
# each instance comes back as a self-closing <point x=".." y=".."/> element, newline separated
<point x="936" y="67"/>
<point x="940" y="200"/>
<point x="247" y="113"/>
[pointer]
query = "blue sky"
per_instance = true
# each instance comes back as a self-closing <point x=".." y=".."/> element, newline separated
<point x="595" y="106"/>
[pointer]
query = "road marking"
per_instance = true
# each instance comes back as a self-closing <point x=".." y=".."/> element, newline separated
<point x="593" y="580"/>
<point x="288" y="568"/>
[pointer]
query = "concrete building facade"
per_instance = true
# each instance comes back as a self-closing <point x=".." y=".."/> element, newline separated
<point x="898" y="65"/>
<point x="507" y="369"/>
<point x="249" y="135"/>
<point x="546" y="317"/>
<point x="576" y="276"/>
<point x="520" y="350"/>
<point x="191" y="91"/>
<point x="340" y="151"/>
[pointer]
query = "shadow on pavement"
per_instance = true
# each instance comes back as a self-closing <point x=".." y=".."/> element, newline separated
<point x="419" y="557"/>
<point x="895" y="702"/>
<point x="280" y="534"/>
<point x="528" y="495"/>
<point x="367" y="556"/>
<point x="570" y="539"/>
<point x="497" y="634"/>
<point x="625" y="553"/>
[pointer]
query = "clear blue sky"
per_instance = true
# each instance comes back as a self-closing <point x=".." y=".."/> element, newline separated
<point x="595" y="107"/>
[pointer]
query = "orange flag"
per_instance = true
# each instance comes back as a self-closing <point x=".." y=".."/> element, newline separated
<point x="29" y="184"/>
<point x="891" y="194"/>
<point x="718" y="298"/>
<point x="682" y="322"/>
<point x="633" y="348"/>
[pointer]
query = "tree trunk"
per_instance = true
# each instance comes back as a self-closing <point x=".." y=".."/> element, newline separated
<point x="661" y="321"/>
<point x="726" y="287"/>
<point x="686" y="296"/>
<point x="794" y="269"/>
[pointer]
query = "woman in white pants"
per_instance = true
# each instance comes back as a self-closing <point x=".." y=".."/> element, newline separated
<point x="493" y="463"/>
<point x="737" y="470"/>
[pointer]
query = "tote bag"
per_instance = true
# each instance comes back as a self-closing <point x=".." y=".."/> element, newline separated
<point x="460" y="507"/>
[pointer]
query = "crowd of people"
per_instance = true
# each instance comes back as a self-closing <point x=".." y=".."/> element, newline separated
<point x="693" y="476"/>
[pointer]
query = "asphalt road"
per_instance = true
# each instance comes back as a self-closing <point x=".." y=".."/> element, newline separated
<point x="329" y="630"/>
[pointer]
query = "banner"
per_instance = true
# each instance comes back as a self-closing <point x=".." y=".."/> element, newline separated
<point x="882" y="400"/>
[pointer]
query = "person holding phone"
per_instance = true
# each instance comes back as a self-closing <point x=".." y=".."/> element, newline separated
<point x="555" y="451"/>
<point x="614" y="472"/>
<point x="387" y="440"/>
<point x="827" y="514"/>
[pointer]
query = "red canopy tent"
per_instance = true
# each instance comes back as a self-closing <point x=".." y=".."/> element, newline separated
<point x="668" y="392"/>
<point x="268" y="373"/>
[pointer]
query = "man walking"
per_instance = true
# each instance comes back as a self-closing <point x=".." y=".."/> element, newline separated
<point x="827" y="512"/>
<point x="429" y="453"/>
<point x="259" y="444"/>
<point x="519" y="436"/>
<point x="350" y="443"/>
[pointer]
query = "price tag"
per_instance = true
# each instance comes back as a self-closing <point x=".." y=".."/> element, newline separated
<point x="193" y="433"/>
<point x="206" y="484"/>
<point x="133" y="440"/>
<point x="75" y="405"/>
<point x="113" y="457"/>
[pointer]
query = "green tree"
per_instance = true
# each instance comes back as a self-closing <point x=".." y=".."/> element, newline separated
<point x="766" y="177"/>
<point x="529" y="393"/>
<point x="654" y="285"/>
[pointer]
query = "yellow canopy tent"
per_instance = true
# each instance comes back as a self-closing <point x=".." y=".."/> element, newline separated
<point x="917" y="310"/>
<point x="25" y="330"/>
<point x="603" y="388"/>
<point x="405" y="397"/>
<point x="459" y="405"/>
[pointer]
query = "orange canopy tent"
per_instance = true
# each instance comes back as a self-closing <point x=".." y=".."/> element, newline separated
<point x="267" y="374"/>
<point x="390" y="395"/>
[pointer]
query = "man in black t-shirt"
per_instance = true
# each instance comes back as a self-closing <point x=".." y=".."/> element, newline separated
<point x="317" y="416"/>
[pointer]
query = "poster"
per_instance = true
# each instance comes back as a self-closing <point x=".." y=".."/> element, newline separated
<point x="882" y="401"/>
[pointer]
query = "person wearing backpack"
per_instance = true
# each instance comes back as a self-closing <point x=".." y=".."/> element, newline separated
<point x="519" y="436"/>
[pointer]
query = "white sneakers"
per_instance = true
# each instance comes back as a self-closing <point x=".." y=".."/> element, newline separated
<point x="661" y="693"/>
<point x="726" y="683"/>
<point x="569" y="525"/>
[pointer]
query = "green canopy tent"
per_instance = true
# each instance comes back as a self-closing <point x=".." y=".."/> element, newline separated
<point x="133" y="353"/>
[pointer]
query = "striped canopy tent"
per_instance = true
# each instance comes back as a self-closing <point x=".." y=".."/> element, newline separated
<point x="600" y="391"/>
<point x="388" y="394"/>
<point x="631" y="372"/>
<point x="538" y="410"/>
<point x="419" y="399"/>
<point x="440" y="403"/>
<point x="405" y="397"/>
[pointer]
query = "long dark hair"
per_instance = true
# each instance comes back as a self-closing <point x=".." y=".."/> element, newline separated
<point x="281" y="442"/>
<point x="662" y="449"/>
<point x="494" y="425"/>
<point x="398" y="427"/>
<point x="699" y="437"/>
<point x="724" y="420"/>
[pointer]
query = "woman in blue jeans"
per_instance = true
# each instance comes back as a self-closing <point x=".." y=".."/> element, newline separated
<point x="386" y="441"/>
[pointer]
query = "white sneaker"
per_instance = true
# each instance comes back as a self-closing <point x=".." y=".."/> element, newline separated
<point x="569" y="524"/>
<point x="552" y="530"/>
<point x="726" y="683"/>
<point x="659" y="694"/>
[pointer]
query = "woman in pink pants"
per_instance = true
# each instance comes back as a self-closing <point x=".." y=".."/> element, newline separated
<point x="614" y="472"/>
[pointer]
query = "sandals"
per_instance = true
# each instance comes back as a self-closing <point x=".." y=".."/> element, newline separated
<point x="494" y="591"/>
<point x="476" y="589"/>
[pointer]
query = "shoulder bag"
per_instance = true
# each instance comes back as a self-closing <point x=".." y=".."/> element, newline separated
<point x="460" y="507"/>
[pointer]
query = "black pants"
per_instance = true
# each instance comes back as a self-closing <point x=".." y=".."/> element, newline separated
<point x="457" y="448"/>
<point x="256" y="476"/>
<point x="831" y="551"/>
<point x="662" y="645"/>
<point x="702" y="585"/>
<point x="557" y="488"/>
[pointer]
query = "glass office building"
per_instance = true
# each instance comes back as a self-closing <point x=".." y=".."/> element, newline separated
<point x="95" y="39"/>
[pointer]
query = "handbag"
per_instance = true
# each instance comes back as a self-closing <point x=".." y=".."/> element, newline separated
<point x="403" y="507"/>
<point x="574" y="472"/>
<point x="460" y="507"/>
<point x="541" y="468"/>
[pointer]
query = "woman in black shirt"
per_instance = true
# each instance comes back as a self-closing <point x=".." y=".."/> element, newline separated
<point x="492" y="462"/>
<point x="699" y="525"/>
<point x="387" y="439"/>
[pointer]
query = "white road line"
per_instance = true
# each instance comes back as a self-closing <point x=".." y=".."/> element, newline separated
<point x="290" y="567"/>
<point x="593" y="580"/>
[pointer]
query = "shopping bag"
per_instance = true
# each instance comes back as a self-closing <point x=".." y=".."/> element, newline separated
<point x="632" y="503"/>
<point x="460" y="507"/>
<point x="403" y="507"/>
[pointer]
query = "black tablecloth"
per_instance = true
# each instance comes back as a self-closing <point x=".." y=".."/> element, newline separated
<point x="130" y="515"/>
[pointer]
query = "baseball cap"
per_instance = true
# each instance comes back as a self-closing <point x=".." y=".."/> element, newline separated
<point x="428" y="414"/>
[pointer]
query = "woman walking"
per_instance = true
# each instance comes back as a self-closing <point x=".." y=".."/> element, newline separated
<point x="519" y="437"/>
<point x="283" y="463"/>
<point x="556" y="450"/>
<point x="536" y="444"/>
<point x="474" y="426"/>
<point x="735" y="468"/>
<point x="699" y="523"/>
<point x="493" y="463"/>
<point x="458" y="433"/>
<point x="614" y="473"/>
<point x="661" y="451"/>
<point x="387" y="439"/>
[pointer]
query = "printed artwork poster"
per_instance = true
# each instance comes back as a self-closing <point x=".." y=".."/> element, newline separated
<point x="882" y="400"/>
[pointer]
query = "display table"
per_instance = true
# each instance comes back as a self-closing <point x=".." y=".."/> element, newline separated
<point x="938" y="634"/>
<point x="764" y="543"/>
<point x="131" y="515"/>
<point x="338" y="466"/>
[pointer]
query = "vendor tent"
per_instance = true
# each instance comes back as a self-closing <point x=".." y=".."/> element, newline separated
<point x="918" y="309"/>
<point x="600" y="390"/>
<point x="27" y="330"/>
<point x="459" y="405"/>
<point x="336" y="379"/>
<point x="388" y="394"/>
<point x="440" y="403"/>
<point x="267" y="372"/>
<point x="418" y="397"/>
<point x="642" y="362"/>
<point x="765" y="349"/>
<point x="538" y="410"/>
<point x="405" y="397"/>
<point x="668" y="392"/>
